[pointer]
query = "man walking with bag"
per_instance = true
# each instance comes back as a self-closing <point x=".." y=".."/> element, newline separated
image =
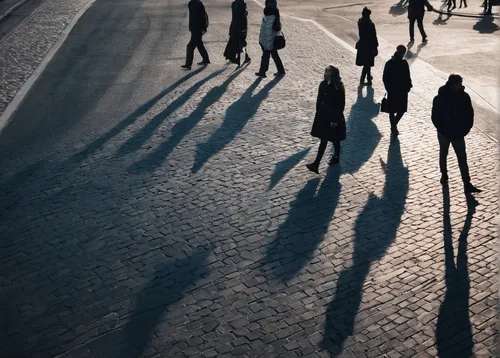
<point x="453" y="117"/>
<point x="198" y="24"/>
<point x="416" y="11"/>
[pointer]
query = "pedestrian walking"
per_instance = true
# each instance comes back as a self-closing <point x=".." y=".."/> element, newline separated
<point x="453" y="117"/>
<point x="464" y="3"/>
<point x="452" y="4"/>
<point x="416" y="12"/>
<point x="487" y="7"/>
<point x="329" y="121"/>
<point x="367" y="46"/>
<point x="198" y="24"/>
<point x="269" y="29"/>
<point x="397" y="83"/>
<point x="238" y="33"/>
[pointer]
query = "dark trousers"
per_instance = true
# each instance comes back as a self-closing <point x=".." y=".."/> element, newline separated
<point x="395" y="118"/>
<point x="459" y="148"/>
<point x="264" y="62"/>
<point x="196" y="42"/>
<point x="322" y="148"/>
<point x="487" y="6"/>
<point x="420" y="23"/>
<point x="366" y="72"/>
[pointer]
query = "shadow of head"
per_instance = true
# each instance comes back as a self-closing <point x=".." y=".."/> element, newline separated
<point x="486" y="25"/>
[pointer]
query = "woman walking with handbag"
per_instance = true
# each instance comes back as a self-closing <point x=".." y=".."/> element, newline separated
<point x="397" y="82"/>
<point x="329" y="122"/>
<point x="237" y="33"/>
<point x="367" y="46"/>
<point x="269" y="30"/>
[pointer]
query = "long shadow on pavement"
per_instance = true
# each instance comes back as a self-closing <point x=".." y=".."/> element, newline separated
<point x="399" y="9"/>
<point x="486" y="25"/>
<point x="372" y="237"/>
<point x="130" y="119"/>
<point x="182" y="128"/>
<point x="305" y="227"/>
<point x="454" y="330"/>
<point x="284" y="166"/>
<point x="171" y="283"/>
<point x="237" y="116"/>
<point x="148" y="130"/>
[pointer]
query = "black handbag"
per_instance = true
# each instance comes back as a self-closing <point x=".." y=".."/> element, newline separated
<point x="279" y="41"/>
<point x="384" y="107"/>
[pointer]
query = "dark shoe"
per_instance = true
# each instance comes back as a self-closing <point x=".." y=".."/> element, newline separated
<point x="335" y="160"/>
<point x="186" y="67"/>
<point x="203" y="63"/>
<point x="258" y="74"/>
<point x="424" y="39"/>
<point x="469" y="188"/>
<point x="279" y="74"/>
<point x="412" y="41"/>
<point x="247" y="59"/>
<point x="312" y="167"/>
<point x="444" y="179"/>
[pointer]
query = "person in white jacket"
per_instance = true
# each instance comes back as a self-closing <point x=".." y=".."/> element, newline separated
<point x="270" y="27"/>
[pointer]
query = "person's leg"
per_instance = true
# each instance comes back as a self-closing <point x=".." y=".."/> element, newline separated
<point x="202" y="50"/>
<point x="264" y="62"/>
<point x="247" y="58"/>
<point x="459" y="148"/>
<point x="369" y="75"/>
<point x="321" y="150"/>
<point x="277" y="62"/>
<point x="420" y="22"/>
<point x="412" y="29"/>
<point x="363" y="76"/>
<point x="336" y="156"/>
<point x="190" y="51"/>
<point x="397" y="118"/>
<point x="444" y="145"/>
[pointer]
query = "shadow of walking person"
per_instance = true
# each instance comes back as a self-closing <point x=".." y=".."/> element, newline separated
<point x="453" y="318"/>
<point x="147" y="131"/>
<point x="399" y="9"/>
<point x="171" y="283"/>
<point x="363" y="135"/>
<point x="237" y="116"/>
<point x="182" y="128"/>
<point x="372" y="238"/>
<point x="283" y="167"/>
<point x="486" y="25"/>
<point x="305" y="227"/>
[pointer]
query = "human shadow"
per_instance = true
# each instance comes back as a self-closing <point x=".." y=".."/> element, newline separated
<point x="411" y="56"/>
<point x="453" y="318"/>
<point x="284" y="166"/>
<point x="304" y="228"/>
<point x="172" y="281"/>
<point x="399" y="9"/>
<point x="375" y="230"/>
<point x="182" y="128"/>
<point x="236" y="117"/>
<point x="440" y="20"/>
<point x="136" y="141"/>
<point x="486" y="25"/>
<point x="130" y="119"/>
<point x="363" y="135"/>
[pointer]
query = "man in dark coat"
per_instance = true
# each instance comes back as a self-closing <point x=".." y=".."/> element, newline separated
<point x="453" y="117"/>
<point x="367" y="46"/>
<point x="416" y="11"/>
<point x="237" y="33"/>
<point x="198" y="24"/>
<point x="397" y="82"/>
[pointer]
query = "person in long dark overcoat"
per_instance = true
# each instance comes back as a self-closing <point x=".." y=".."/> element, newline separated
<point x="237" y="33"/>
<point x="198" y="24"/>
<point x="329" y="121"/>
<point x="367" y="46"/>
<point x="397" y="82"/>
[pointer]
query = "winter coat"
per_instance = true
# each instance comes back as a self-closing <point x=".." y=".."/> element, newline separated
<point x="237" y="30"/>
<point x="198" y="19"/>
<point x="416" y="8"/>
<point x="367" y="44"/>
<point x="329" y="109"/>
<point x="397" y="82"/>
<point x="269" y="28"/>
<point x="452" y="113"/>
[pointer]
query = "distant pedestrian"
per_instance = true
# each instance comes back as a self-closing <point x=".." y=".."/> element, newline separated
<point x="329" y="121"/>
<point x="453" y="117"/>
<point x="237" y="33"/>
<point x="198" y="24"/>
<point x="452" y="4"/>
<point x="464" y="2"/>
<point x="269" y="29"/>
<point x="367" y="46"/>
<point x="397" y="82"/>
<point x="487" y="7"/>
<point x="416" y="12"/>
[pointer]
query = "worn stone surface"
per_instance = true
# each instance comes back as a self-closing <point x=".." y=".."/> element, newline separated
<point x="191" y="227"/>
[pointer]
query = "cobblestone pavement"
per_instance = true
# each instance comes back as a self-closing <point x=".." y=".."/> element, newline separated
<point x="191" y="226"/>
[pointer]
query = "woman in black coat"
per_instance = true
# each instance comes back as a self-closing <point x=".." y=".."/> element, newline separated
<point x="237" y="33"/>
<point x="367" y="46"/>
<point x="397" y="82"/>
<point x="329" y="122"/>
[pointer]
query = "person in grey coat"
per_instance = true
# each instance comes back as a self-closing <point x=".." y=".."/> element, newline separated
<point x="269" y="29"/>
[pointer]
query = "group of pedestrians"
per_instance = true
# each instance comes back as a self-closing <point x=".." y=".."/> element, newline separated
<point x="270" y="32"/>
<point x="452" y="111"/>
